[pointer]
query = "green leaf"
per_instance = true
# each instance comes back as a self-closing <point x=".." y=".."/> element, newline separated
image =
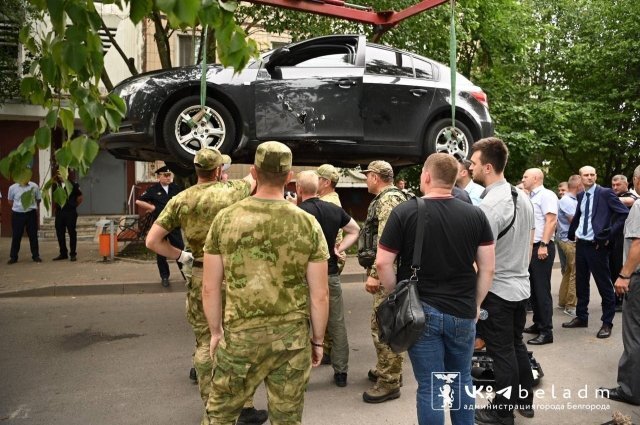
<point x="56" y="13"/>
<point x="77" y="147"/>
<point x="187" y="10"/>
<point x="60" y="196"/>
<point x="94" y="109"/>
<point x="118" y="103"/>
<point x="66" y="117"/>
<point x="139" y="9"/>
<point x="75" y="55"/>
<point x="4" y="166"/>
<point x="87" y="121"/>
<point x="43" y="137"/>
<point x="113" y="119"/>
<point x="77" y="14"/>
<point x="23" y="175"/>
<point x="64" y="156"/>
<point x="91" y="150"/>
<point x="166" y="5"/>
<point x="52" y="118"/>
<point x="29" y="196"/>
<point x="229" y="5"/>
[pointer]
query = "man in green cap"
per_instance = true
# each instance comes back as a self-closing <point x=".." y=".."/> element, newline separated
<point x="387" y="374"/>
<point x="273" y="257"/>
<point x="328" y="177"/>
<point x="193" y="210"/>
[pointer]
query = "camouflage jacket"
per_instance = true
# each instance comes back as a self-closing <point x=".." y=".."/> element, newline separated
<point x="195" y="208"/>
<point x="265" y="246"/>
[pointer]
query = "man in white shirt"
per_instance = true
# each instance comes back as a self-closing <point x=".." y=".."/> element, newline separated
<point x="24" y="216"/>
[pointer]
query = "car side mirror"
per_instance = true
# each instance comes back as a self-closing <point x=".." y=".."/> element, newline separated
<point x="273" y="61"/>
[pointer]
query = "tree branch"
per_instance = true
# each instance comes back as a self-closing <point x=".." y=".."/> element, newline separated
<point x="114" y="43"/>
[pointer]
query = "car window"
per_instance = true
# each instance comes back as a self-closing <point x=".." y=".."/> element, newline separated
<point x="331" y="60"/>
<point x="388" y="62"/>
<point x="423" y="69"/>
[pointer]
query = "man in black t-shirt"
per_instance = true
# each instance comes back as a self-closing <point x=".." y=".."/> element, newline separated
<point x="67" y="218"/>
<point x="331" y="219"/>
<point x="456" y="235"/>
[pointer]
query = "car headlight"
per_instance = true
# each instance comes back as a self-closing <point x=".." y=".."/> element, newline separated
<point x="130" y="88"/>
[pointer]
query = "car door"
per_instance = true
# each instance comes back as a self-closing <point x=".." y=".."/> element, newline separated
<point x="396" y="103"/>
<point x="312" y="92"/>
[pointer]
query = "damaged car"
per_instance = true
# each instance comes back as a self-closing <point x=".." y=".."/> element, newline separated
<point x="337" y="99"/>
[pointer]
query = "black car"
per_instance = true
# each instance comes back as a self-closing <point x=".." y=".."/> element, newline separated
<point x="335" y="99"/>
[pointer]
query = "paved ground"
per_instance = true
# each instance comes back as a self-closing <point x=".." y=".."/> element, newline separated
<point x="113" y="359"/>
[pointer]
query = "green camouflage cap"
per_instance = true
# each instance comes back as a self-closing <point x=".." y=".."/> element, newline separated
<point x="273" y="157"/>
<point x="328" y="172"/>
<point x="208" y="159"/>
<point x="382" y="168"/>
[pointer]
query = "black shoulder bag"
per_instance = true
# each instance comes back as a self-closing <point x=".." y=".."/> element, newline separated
<point x="514" y="196"/>
<point x="400" y="316"/>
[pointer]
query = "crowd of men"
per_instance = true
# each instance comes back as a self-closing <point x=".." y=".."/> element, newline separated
<point x="264" y="291"/>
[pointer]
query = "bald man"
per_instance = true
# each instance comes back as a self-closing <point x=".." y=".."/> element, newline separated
<point x="545" y="211"/>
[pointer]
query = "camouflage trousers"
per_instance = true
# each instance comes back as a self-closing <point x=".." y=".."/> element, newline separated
<point x="279" y="355"/>
<point x="389" y="364"/>
<point x="202" y="361"/>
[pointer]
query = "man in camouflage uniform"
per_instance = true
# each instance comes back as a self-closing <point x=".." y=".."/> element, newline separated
<point x="387" y="374"/>
<point x="193" y="210"/>
<point x="273" y="257"/>
<point x="328" y="177"/>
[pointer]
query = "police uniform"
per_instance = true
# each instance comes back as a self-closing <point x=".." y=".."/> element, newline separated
<point x="388" y="370"/>
<point x="66" y="220"/>
<point x="158" y="197"/>
<point x="265" y="247"/>
<point x="193" y="210"/>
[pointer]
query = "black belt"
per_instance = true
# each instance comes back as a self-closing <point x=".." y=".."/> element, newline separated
<point x="197" y="263"/>
<point x="585" y="242"/>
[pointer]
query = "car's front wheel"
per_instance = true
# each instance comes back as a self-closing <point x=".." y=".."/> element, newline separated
<point x="188" y="127"/>
<point x="443" y="137"/>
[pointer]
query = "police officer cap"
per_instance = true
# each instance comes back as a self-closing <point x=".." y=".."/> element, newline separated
<point x="208" y="159"/>
<point x="382" y="168"/>
<point x="328" y="172"/>
<point x="273" y="157"/>
<point x="163" y="169"/>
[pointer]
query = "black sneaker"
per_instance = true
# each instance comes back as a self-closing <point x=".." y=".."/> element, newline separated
<point x="251" y="415"/>
<point x="60" y="257"/>
<point x="340" y="379"/>
<point x="165" y="282"/>
<point x="488" y="416"/>
<point x="193" y="375"/>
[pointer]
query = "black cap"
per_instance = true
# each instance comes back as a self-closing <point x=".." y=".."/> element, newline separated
<point x="164" y="169"/>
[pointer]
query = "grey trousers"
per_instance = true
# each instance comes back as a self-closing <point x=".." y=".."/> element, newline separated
<point x="336" y="326"/>
<point x="628" y="376"/>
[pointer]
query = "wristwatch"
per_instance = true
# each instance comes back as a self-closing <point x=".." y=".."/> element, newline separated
<point x="543" y="244"/>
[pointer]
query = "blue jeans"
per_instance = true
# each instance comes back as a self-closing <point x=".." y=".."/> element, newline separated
<point x="441" y="361"/>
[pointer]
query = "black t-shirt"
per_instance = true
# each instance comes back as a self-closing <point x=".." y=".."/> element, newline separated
<point x="452" y="234"/>
<point x="331" y="218"/>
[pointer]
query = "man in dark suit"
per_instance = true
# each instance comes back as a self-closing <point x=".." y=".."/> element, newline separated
<point x="599" y="217"/>
<point x="154" y="199"/>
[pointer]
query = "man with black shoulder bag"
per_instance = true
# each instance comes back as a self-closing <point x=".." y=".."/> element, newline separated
<point x="448" y="285"/>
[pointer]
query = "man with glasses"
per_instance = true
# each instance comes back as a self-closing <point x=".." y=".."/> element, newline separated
<point x="153" y="200"/>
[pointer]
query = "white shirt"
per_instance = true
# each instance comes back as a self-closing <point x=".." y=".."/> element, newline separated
<point x="544" y="202"/>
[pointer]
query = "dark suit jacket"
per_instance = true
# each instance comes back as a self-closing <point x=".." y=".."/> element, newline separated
<point x="155" y="195"/>
<point x="607" y="217"/>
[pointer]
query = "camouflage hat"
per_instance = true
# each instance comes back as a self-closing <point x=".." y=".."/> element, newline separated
<point x="329" y="172"/>
<point x="382" y="168"/>
<point x="208" y="159"/>
<point x="273" y="157"/>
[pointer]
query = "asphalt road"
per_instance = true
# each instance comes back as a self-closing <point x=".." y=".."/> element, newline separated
<point x="124" y="359"/>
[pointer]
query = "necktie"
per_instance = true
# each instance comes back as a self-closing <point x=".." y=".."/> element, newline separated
<point x="585" y="223"/>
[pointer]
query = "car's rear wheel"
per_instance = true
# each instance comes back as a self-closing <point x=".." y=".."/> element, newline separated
<point x="442" y="137"/>
<point x="187" y="128"/>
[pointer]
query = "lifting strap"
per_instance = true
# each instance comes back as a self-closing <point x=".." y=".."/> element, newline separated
<point x="452" y="63"/>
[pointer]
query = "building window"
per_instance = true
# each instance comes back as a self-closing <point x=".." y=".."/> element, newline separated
<point x="186" y="51"/>
<point x="9" y="58"/>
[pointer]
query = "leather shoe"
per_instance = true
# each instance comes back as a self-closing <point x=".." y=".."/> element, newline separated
<point x="604" y="332"/>
<point x="340" y="379"/>
<point x="533" y="329"/>
<point x="527" y="412"/>
<point x="616" y="394"/>
<point x="37" y="260"/>
<point x="165" y="282"/>
<point x="576" y="323"/>
<point x="541" y="339"/>
<point x="12" y="261"/>
<point x="60" y="257"/>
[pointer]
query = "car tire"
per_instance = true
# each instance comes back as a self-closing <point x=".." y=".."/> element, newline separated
<point x="216" y="129"/>
<point x="436" y="140"/>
